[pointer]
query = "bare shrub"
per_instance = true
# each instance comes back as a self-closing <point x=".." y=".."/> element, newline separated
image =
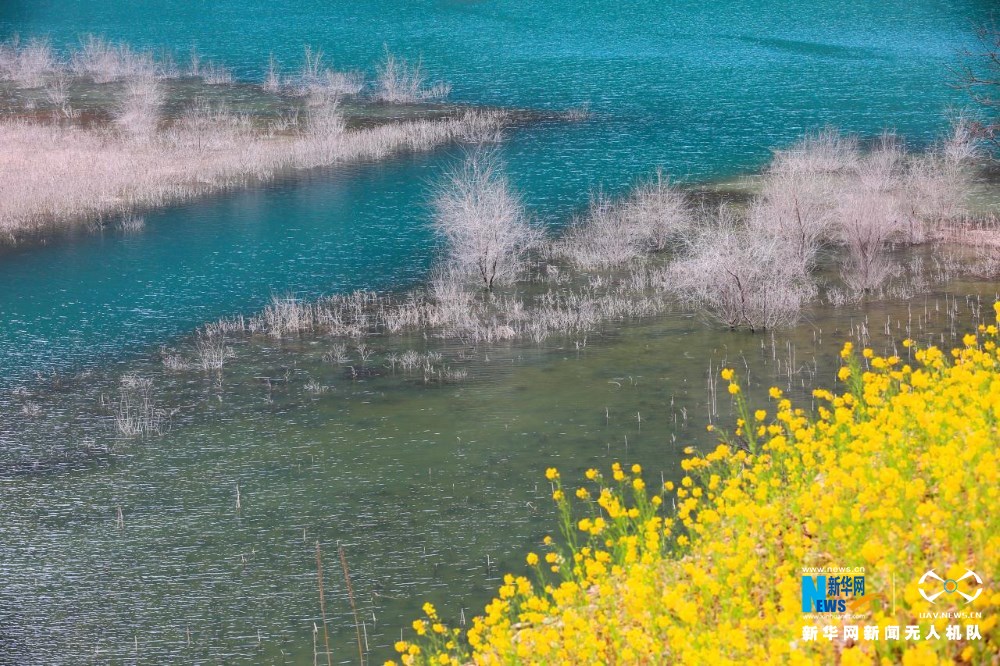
<point x="935" y="192"/>
<point x="740" y="277"/>
<point x="658" y="213"/>
<point x="963" y="145"/>
<point x="104" y="62"/>
<point x="867" y="223"/>
<point x="213" y="352"/>
<point x="796" y="208"/>
<point x="31" y="409"/>
<point x="27" y="65"/>
<point x="326" y="122"/>
<point x="139" y="112"/>
<point x="483" y="222"/>
<point x="215" y="75"/>
<point x="56" y="90"/>
<point x="613" y="233"/>
<point x="871" y="213"/>
<point x="400" y="82"/>
<point x="939" y="181"/>
<point x="175" y="362"/>
<point x="313" y="386"/>
<point x="272" y="80"/>
<point x="827" y="152"/>
<point x="325" y="84"/>
<point x="337" y="354"/>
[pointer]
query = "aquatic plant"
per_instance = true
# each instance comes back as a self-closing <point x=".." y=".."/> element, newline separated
<point x="710" y="570"/>
<point x="134" y="411"/>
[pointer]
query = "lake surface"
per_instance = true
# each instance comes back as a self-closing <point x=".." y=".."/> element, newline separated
<point x="434" y="490"/>
<point x="702" y="91"/>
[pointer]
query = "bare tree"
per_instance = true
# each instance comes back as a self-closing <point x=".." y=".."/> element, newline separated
<point x="872" y="212"/>
<point x="483" y="222"/>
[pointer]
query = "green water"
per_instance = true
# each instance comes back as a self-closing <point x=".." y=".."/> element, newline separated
<point x="433" y="489"/>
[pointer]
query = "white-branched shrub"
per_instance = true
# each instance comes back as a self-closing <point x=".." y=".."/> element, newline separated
<point x="28" y="65"/>
<point x="483" y="223"/>
<point x="740" y="277"/>
<point x="139" y="111"/>
<point x="653" y="217"/>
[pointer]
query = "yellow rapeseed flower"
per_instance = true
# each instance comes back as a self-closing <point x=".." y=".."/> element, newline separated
<point x="876" y="475"/>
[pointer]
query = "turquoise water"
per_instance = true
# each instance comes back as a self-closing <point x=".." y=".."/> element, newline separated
<point x="703" y="90"/>
<point x="434" y="490"/>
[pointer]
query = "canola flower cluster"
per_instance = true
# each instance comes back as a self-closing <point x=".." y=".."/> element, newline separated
<point x="898" y="473"/>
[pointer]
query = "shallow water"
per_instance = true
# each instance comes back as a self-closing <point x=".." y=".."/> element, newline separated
<point x="434" y="489"/>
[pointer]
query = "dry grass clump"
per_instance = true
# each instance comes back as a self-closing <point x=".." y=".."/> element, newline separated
<point x="134" y="411"/>
<point x="400" y="82"/>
